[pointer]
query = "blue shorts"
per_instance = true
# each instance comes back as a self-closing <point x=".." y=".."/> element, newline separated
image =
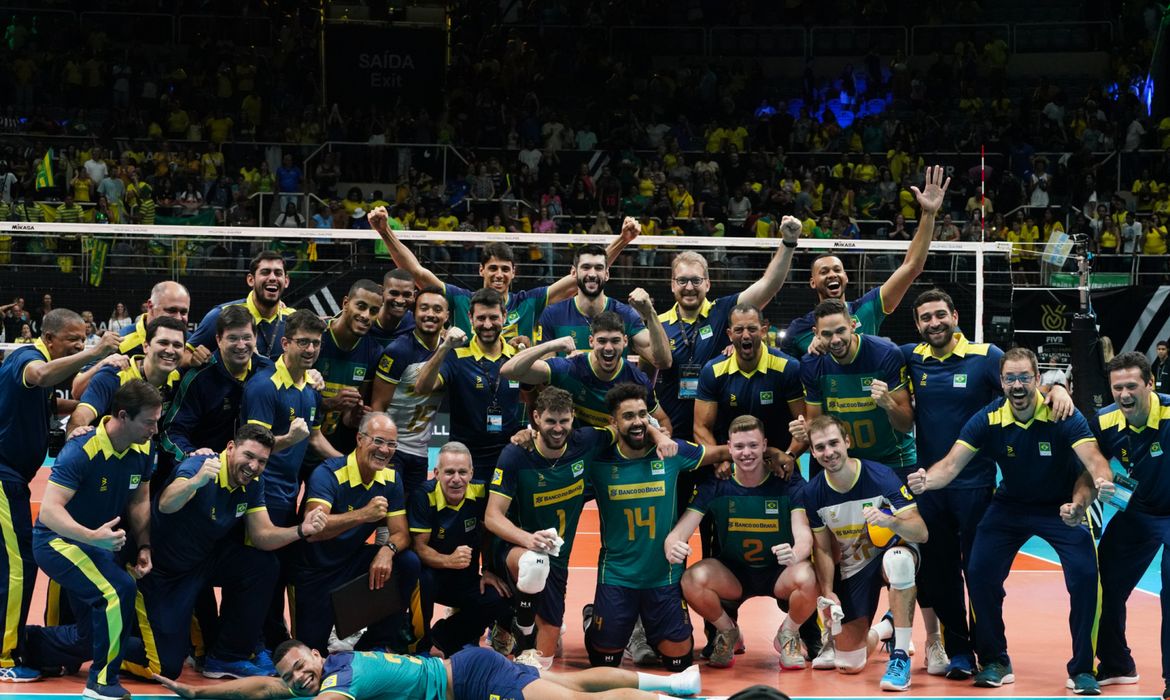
<point x="412" y="471"/>
<point x="479" y="673"/>
<point x="550" y="604"/>
<point x="860" y="592"/>
<point x="755" y="581"/>
<point x="616" y="608"/>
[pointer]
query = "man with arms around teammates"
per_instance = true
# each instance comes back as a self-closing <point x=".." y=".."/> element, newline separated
<point x="1051" y="473"/>
<point x="490" y="410"/>
<point x="589" y="376"/>
<point x="830" y="280"/>
<point x="28" y="379"/>
<point x="1132" y="430"/>
<point x="572" y="317"/>
<point x="268" y="281"/>
<point x="394" y="389"/>
<point x="764" y="547"/>
<point x="854" y="563"/>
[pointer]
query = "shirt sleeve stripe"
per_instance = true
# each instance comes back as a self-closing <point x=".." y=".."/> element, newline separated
<point x="501" y="494"/>
<point x="257" y="509"/>
<point x="322" y="501"/>
<point x="1082" y="441"/>
<point x="420" y="529"/>
<point x="968" y="445"/>
<point x="253" y="421"/>
<point x="394" y="513"/>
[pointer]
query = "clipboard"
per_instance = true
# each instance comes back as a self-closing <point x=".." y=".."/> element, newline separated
<point x="356" y="607"/>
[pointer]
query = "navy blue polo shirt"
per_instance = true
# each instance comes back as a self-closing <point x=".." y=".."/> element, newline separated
<point x="337" y="483"/>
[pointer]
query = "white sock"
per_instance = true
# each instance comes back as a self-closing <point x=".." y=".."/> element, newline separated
<point x="884" y="629"/>
<point x="902" y="638"/>
<point x="788" y="625"/>
<point x="526" y="630"/>
<point x="651" y="682"/>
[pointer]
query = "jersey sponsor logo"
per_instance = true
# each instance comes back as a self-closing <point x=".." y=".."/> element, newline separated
<point x="860" y="404"/>
<point x="627" y="492"/>
<point x="753" y="525"/>
<point x="765" y="398"/>
<point x="658" y="467"/>
<point x="479" y="382"/>
<point x="292" y="414"/>
<point x="1156" y="449"/>
<point x="906" y="493"/>
<point x="469" y="524"/>
<point x="385" y="364"/>
<point x="213" y="513"/>
<point x="241" y="508"/>
<point x="560" y="495"/>
<point x="513" y="384"/>
<point x="105" y="485"/>
<point x="329" y="682"/>
<point x="442" y="533"/>
<point x="135" y="481"/>
<point x="1045" y="449"/>
<point x="923" y="381"/>
<point x="734" y="400"/>
<point x="1011" y="451"/>
<point x="959" y="381"/>
<point x="359" y="374"/>
<point x="497" y="477"/>
<point x="578" y="467"/>
<point x="771" y="507"/>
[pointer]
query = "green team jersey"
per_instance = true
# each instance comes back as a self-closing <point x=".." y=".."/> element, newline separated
<point x="637" y="505"/>
<point x="548" y="491"/>
<point x="749" y="520"/>
<point x="364" y="675"/>
<point x="521" y="310"/>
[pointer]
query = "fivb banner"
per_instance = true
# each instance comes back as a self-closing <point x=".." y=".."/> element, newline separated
<point x="384" y="66"/>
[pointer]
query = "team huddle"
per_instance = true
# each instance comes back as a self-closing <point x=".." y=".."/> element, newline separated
<point x="270" y="450"/>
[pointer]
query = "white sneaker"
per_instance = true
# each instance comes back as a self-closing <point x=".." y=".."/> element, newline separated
<point x="533" y="658"/>
<point x="787" y="644"/>
<point x="936" y="660"/>
<point x="638" y="649"/>
<point x="827" y="659"/>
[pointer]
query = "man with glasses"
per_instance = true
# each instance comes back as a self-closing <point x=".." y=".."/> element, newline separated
<point x="1051" y="473"/>
<point x="397" y="317"/>
<point x="359" y="493"/>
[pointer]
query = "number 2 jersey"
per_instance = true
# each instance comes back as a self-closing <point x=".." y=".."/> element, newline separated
<point x="749" y="520"/>
<point x="637" y="505"/>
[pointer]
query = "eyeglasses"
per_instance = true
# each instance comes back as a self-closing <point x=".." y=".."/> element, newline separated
<point x="307" y="342"/>
<point x="689" y="281"/>
<point x="380" y="442"/>
<point x="1024" y="379"/>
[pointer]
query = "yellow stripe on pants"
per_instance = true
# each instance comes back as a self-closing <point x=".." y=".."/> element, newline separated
<point x="113" y="604"/>
<point x="15" y="583"/>
<point x="153" y="665"/>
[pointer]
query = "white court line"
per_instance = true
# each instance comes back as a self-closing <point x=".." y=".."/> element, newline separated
<point x="1057" y="563"/>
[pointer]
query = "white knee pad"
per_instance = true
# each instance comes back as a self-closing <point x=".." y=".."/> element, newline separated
<point x="533" y="572"/>
<point x="851" y="661"/>
<point x="898" y="564"/>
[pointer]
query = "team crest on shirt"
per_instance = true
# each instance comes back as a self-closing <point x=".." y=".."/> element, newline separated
<point x="959" y="381"/>
<point x="578" y="467"/>
<point x="1045" y="449"/>
<point x="866" y="382"/>
<point x="705" y="332"/>
<point x="1156" y="449"/>
<point x="766" y="398"/>
<point x="241" y="508"/>
<point x="135" y="481"/>
<point x="329" y="682"/>
<point x="359" y="374"/>
<point x="657" y="467"/>
<point x="385" y="364"/>
<point x="771" y="507"/>
<point x="469" y="524"/>
<point x="513" y="317"/>
<point x="497" y="477"/>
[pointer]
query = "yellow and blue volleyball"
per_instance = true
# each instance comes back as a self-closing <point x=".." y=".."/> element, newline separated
<point x="883" y="537"/>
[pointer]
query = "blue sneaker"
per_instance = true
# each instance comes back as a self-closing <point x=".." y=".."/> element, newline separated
<point x="263" y="661"/>
<point x="220" y="668"/>
<point x="1084" y="684"/>
<point x="897" y="672"/>
<point x="961" y="667"/>
<point x="93" y="691"/>
<point x="994" y="675"/>
<point x="19" y="674"/>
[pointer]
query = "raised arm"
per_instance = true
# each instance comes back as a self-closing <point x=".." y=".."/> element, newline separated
<point x="400" y="253"/>
<point x="53" y="372"/>
<point x="528" y="365"/>
<point x="267" y="536"/>
<point x="654" y="346"/>
<point x="566" y="286"/>
<point x="762" y="290"/>
<point x="942" y="472"/>
<point x="930" y="199"/>
<point x="429" y="378"/>
<point x="896" y="404"/>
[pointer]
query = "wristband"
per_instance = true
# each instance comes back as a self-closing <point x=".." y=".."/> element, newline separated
<point x="789" y="453"/>
<point x="393" y="547"/>
<point x="301" y="533"/>
<point x="788" y="245"/>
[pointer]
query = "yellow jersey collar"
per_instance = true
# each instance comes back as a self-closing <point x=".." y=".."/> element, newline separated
<point x="479" y="353"/>
<point x="353" y="474"/>
<point x="107" y="446"/>
<point x="469" y="494"/>
<point x="250" y="305"/>
<point x="42" y="349"/>
<point x="1153" y="420"/>
<point x="284" y="378"/>
<point x="761" y="366"/>
<point x="961" y="348"/>
<point x="1043" y="413"/>
<point x="224" y="480"/>
<point x="674" y="315"/>
<point x="136" y="373"/>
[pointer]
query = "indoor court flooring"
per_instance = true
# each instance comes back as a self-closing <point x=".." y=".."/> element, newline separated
<point x="1036" y="611"/>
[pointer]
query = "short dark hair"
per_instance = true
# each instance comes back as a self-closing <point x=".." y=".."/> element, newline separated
<point x="500" y="251"/>
<point x="746" y="308"/>
<point x="1163" y="344"/>
<point x="365" y="285"/>
<point x="234" y="317"/>
<point x="397" y="274"/>
<point x="606" y="321"/>
<point x="1018" y="353"/>
<point x="432" y="289"/>
<point x="589" y="249"/>
<point x="625" y="391"/>
<point x="56" y="320"/>
<point x="285" y="647"/>
<point x="553" y="399"/>
<point x="933" y="295"/>
<point x="255" y="433"/>
<point x="1127" y="360"/>
<point x="164" y="322"/>
<point x="829" y="307"/>
<point x="133" y="397"/>
<point x="303" y="320"/>
<point x="486" y="297"/>
<point x="262" y="257"/>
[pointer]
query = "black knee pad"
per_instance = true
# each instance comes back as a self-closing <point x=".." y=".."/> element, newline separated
<point x="674" y="664"/>
<point x="601" y="658"/>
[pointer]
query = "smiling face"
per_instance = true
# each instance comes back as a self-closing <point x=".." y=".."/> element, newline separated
<point x="165" y="349"/>
<point x="487" y="322"/>
<point x="236" y="346"/>
<point x="377" y="442"/>
<point x="430" y="313"/>
<point x="1018" y="378"/>
<point x="607" y="348"/>
<point x="1131" y="393"/>
<point x="359" y="311"/>
<point x="300" y="669"/>
<point x="829" y="278"/>
<point x="747" y="449"/>
<point x="246" y="461"/>
<point x="592" y="274"/>
<point x="836" y="332"/>
<point x="831" y="448"/>
<point x="690" y="285"/>
<point x="453" y="473"/>
<point x="497" y="274"/>
<point x="936" y="323"/>
<point x="631" y="420"/>
<point x="269" y="282"/>
<point x="553" y="427"/>
<point x="397" y="296"/>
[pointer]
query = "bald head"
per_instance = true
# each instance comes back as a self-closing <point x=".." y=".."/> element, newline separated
<point x="169" y="299"/>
